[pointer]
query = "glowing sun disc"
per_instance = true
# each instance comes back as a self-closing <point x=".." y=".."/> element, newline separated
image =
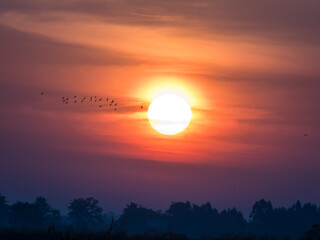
<point x="169" y="114"/>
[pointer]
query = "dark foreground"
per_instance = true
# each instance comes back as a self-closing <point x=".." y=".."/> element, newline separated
<point x="181" y="221"/>
<point x="68" y="234"/>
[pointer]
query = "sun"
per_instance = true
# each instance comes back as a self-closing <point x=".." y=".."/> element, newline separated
<point x="169" y="114"/>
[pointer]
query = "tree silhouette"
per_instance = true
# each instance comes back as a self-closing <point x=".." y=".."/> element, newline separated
<point x="294" y="221"/>
<point x="313" y="234"/>
<point x="260" y="210"/>
<point x="26" y="216"/>
<point x="48" y="215"/>
<point x="181" y="219"/>
<point x="199" y="221"/>
<point x="137" y="219"/>
<point x="85" y="214"/>
<point x="179" y="209"/>
<point x="232" y="221"/>
<point x="4" y="211"/>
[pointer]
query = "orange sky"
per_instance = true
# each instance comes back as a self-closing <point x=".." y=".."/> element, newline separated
<point x="249" y="71"/>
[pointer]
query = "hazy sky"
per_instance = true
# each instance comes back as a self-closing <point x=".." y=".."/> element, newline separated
<point x="249" y="69"/>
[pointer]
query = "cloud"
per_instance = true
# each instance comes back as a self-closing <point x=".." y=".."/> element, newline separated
<point x="26" y="48"/>
<point x="288" y="21"/>
<point x="256" y="65"/>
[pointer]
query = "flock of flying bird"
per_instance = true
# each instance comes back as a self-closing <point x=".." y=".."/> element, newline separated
<point x="95" y="99"/>
<point x="74" y="99"/>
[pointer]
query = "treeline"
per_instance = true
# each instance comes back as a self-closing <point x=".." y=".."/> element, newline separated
<point x="205" y="221"/>
<point x="182" y="218"/>
<point x="84" y="214"/>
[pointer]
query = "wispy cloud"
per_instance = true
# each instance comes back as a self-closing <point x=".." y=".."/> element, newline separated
<point x="285" y="20"/>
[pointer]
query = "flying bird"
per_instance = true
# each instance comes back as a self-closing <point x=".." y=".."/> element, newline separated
<point x="74" y="99"/>
<point x="306" y="135"/>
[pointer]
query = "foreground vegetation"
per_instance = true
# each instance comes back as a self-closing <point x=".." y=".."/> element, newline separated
<point x="313" y="234"/>
<point x="183" y="220"/>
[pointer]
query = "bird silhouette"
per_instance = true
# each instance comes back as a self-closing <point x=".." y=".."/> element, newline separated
<point x="75" y="99"/>
<point x="306" y="135"/>
<point x="141" y="107"/>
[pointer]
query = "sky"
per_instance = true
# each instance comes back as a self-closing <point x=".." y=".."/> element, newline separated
<point x="249" y="70"/>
